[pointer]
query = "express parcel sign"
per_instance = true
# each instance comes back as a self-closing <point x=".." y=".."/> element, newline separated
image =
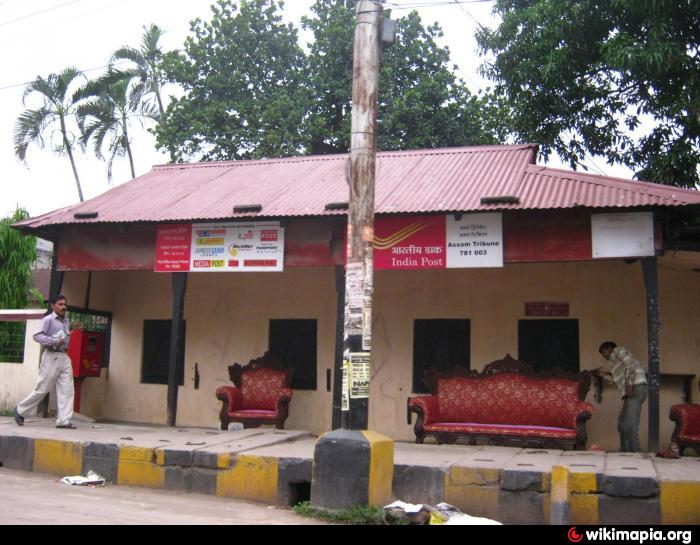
<point x="225" y="247"/>
<point x="438" y="242"/>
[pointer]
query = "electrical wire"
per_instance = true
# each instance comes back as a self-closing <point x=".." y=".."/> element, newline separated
<point x="4" y="23"/>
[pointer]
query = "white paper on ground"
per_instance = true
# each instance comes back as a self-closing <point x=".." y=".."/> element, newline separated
<point x="91" y="479"/>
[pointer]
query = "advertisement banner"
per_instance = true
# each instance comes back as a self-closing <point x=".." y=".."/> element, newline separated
<point x="221" y="247"/>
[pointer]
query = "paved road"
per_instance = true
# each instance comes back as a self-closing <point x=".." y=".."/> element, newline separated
<point x="32" y="498"/>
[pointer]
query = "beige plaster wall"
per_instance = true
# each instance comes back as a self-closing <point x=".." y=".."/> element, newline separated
<point x="18" y="380"/>
<point x="607" y="298"/>
<point x="227" y="321"/>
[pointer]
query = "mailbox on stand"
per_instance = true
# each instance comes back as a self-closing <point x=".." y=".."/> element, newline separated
<point x="86" y="350"/>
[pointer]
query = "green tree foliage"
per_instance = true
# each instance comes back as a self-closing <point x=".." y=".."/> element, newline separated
<point x="108" y="104"/>
<point x="617" y="78"/>
<point x="242" y="74"/>
<point x="421" y="102"/>
<point x="52" y="118"/>
<point x="17" y="253"/>
<point x="251" y="92"/>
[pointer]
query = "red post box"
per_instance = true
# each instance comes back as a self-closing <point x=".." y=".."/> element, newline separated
<point x="85" y="351"/>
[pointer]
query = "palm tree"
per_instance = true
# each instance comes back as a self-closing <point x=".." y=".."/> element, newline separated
<point x="57" y="108"/>
<point x="146" y="69"/>
<point x="103" y="116"/>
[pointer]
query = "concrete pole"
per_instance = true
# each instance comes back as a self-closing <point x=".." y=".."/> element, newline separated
<point x="651" y="283"/>
<point x="361" y="177"/>
<point x="179" y="288"/>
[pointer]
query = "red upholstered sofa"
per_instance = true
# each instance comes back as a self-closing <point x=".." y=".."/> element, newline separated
<point x="261" y="394"/>
<point x="687" y="432"/>
<point x="507" y="403"/>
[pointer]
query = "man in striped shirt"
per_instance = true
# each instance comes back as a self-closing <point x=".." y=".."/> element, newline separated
<point x="630" y="378"/>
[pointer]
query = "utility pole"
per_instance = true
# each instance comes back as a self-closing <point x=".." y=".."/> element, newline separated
<point x="360" y="235"/>
<point x="353" y="466"/>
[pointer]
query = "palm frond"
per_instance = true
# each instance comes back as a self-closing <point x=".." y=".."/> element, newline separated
<point x="127" y="53"/>
<point x="64" y="80"/>
<point x="41" y="86"/>
<point x="29" y="128"/>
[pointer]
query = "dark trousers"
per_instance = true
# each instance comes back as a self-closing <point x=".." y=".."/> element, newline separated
<point x="628" y="421"/>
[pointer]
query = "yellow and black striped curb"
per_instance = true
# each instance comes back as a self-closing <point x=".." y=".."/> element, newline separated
<point x="362" y="462"/>
<point x="352" y="468"/>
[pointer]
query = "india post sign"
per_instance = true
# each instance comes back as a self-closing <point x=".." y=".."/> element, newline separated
<point x="221" y="247"/>
<point x="438" y="242"/>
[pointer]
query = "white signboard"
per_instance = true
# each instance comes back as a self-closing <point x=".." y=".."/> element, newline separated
<point x="629" y="234"/>
<point x="236" y="247"/>
<point x="475" y="240"/>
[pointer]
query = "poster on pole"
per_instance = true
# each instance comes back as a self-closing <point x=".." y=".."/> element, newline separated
<point x="354" y="297"/>
<point x="345" y="397"/>
<point x="360" y="370"/>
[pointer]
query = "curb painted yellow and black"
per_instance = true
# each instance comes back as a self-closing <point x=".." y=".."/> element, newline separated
<point x="352" y="468"/>
<point x="564" y="496"/>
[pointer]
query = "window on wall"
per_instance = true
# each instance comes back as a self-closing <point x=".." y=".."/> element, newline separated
<point x="548" y="344"/>
<point x="443" y="344"/>
<point x="294" y="343"/>
<point x="156" y="353"/>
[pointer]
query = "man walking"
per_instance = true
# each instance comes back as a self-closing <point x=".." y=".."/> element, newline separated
<point x="630" y="378"/>
<point x="55" y="368"/>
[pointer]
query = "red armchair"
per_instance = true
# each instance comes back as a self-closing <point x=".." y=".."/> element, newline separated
<point x="687" y="432"/>
<point x="261" y="394"/>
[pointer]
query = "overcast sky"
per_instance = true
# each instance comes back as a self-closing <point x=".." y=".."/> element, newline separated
<point x="39" y="37"/>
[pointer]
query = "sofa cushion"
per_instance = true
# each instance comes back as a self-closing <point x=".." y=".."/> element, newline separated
<point x="500" y="429"/>
<point x="509" y="399"/>
<point x="272" y="415"/>
<point x="261" y="389"/>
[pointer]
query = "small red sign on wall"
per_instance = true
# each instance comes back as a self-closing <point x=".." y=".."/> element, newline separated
<point x="173" y="248"/>
<point x="547" y="308"/>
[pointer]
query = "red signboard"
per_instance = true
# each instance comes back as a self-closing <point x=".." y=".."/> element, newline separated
<point x="547" y="308"/>
<point x="173" y="247"/>
<point x="409" y="242"/>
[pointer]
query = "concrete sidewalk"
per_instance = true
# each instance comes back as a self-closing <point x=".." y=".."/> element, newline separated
<point x="511" y="485"/>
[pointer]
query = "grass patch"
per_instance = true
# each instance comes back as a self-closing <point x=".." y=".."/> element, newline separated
<point x="7" y="413"/>
<point x="361" y="514"/>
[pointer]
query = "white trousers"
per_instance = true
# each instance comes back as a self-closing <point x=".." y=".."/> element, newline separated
<point x="55" y="370"/>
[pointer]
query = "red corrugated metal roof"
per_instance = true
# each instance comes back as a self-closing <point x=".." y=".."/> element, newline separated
<point x="440" y="180"/>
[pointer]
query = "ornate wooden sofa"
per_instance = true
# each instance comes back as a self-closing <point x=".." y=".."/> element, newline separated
<point x="261" y="394"/>
<point x="508" y="403"/>
<point x="687" y="431"/>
